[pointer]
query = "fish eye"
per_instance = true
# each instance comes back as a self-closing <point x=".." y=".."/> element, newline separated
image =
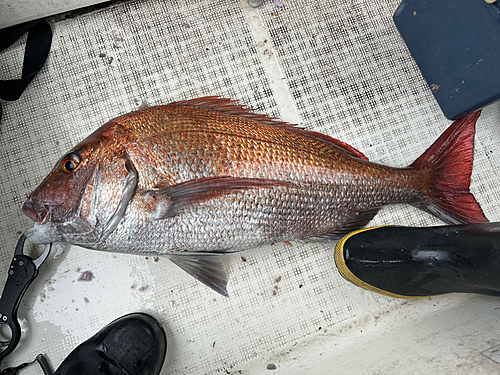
<point x="71" y="162"/>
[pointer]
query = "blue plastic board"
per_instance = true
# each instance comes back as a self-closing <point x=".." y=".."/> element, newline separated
<point x="456" y="45"/>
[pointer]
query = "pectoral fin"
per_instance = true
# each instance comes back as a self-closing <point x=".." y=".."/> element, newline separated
<point x="202" y="190"/>
<point x="205" y="267"/>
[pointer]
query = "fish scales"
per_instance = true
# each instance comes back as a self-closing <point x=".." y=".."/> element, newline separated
<point x="208" y="176"/>
<point x="189" y="147"/>
<point x="197" y="146"/>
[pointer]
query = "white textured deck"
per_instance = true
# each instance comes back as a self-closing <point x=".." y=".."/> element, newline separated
<point x="338" y="67"/>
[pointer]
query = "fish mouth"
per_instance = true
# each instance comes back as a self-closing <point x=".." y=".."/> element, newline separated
<point x="36" y="211"/>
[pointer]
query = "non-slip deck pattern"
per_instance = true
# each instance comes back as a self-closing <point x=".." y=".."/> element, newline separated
<point x="337" y="67"/>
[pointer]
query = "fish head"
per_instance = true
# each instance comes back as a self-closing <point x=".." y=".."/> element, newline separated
<point x="85" y="196"/>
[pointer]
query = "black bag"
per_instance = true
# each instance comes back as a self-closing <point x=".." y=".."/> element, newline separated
<point x="37" y="50"/>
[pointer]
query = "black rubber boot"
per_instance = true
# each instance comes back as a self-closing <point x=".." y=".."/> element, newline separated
<point x="418" y="262"/>
<point x="134" y="344"/>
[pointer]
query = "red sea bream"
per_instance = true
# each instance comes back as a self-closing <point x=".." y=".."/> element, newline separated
<point x="201" y="177"/>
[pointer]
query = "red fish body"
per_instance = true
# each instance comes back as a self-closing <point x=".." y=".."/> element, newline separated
<point x="206" y="176"/>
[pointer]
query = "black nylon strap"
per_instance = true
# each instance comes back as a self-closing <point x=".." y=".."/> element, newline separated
<point x="36" y="52"/>
<point x="40" y="359"/>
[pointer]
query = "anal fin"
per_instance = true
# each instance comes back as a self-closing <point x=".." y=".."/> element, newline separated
<point x="205" y="267"/>
<point x="361" y="220"/>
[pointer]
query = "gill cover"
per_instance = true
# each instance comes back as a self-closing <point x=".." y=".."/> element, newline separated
<point x="99" y="210"/>
<point x="106" y="198"/>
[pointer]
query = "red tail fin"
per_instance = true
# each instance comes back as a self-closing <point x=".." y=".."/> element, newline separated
<point x="449" y="162"/>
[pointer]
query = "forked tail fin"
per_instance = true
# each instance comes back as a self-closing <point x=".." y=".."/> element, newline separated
<point x="449" y="163"/>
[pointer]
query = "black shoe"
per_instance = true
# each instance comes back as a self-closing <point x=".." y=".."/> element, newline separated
<point x="134" y="344"/>
<point x="419" y="262"/>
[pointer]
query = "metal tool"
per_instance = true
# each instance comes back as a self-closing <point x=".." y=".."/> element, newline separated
<point x="22" y="271"/>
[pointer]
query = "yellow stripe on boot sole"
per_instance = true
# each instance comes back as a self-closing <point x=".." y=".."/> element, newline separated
<point x="349" y="276"/>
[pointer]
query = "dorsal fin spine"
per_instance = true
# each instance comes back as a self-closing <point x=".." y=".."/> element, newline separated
<point x="229" y="106"/>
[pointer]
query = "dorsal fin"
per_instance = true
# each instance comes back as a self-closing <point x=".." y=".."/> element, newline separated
<point x="344" y="146"/>
<point x="229" y="106"/>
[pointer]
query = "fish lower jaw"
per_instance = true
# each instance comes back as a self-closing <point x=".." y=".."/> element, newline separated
<point x="42" y="234"/>
<point x="38" y="212"/>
